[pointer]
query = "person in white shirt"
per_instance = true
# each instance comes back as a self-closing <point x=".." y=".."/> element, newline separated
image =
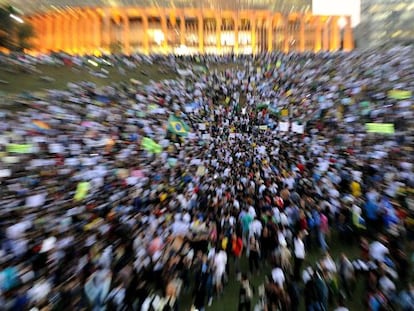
<point x="256" y="228"/>
<point x="387" y="286"/>
<point x="219" y="267"/>
<point x="378" y="251"/>
<point x="278" y="276"/>
<point x="299" y="254"/>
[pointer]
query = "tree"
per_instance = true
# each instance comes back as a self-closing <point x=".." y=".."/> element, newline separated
<point x="24" y="33"/>
<point x="13" y="35"/>
<point x="6" y="28"/>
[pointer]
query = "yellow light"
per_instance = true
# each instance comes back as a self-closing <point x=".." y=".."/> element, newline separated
<point x="97" y="53"/>
<point x="158" y="36"/>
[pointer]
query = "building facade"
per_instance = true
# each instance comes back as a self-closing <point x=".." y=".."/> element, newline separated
<point x="186" y="30"/>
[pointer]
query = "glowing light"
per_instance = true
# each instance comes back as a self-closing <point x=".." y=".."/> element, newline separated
<point x="106" y="62"/>
<point x="342" y="22"/>
<point x="158" y="36"/>
<point x="182" y="50"/>
<point x="92" y="63"/>
<point x="17" y="19"/>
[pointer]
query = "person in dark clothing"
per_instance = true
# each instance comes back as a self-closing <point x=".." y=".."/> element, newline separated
<point x="294" y="294"/>
<point x="245" y="294"/>
<point x="201" y="281"/>
<point x="254" y="255"/>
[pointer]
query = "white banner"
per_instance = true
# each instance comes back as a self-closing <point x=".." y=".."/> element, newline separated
<point x="296" y="128"/>
<point x="283" y="126"/>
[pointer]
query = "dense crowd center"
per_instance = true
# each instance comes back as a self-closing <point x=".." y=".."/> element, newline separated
<point x="133" y="196"/>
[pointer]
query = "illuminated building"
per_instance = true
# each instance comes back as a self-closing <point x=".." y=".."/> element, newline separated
<point x="205" y="26"/>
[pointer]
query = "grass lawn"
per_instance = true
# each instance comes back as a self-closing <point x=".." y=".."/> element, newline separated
<point x="19" y="82"/>
<point x="22" y="82"/>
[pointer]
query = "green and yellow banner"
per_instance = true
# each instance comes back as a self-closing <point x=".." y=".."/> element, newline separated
<point x="399" y="94"/>
<point x="19" y="148"/>
<point x="380" y="128"/>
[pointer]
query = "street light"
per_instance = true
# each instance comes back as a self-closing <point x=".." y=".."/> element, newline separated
<point x="17" y="18"/>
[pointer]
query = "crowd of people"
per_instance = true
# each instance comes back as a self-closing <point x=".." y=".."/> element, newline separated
<point x="92" y="219"/>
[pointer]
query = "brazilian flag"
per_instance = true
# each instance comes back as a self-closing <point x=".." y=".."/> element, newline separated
<point x="178" y="126"/>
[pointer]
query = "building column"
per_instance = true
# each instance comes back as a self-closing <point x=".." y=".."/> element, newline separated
<point x="236" y="33"/>
<point x="285" y="34"/>
<point x="164" y="28"/>
<point x="35" y="21"/>
<point x="43" y="35"/>
<point x="335" y="33"/>
<point x="60" y="39"/>
<point x="48" y="32"/>
<point x="86" y="32"/>
<point x="75" y="38"/>
<point x="269" y="26"/>
<point x="125" y="33"/>
<point x="54" y="32"/>
<point x="106" y="30"/>
<point x="325" y="38"/>
<point x="173" y="19"/>
<point x="318" y="34"/>
<point x="94" y="31"/>
<point x="91" y="36"/>
<point x="218" y="32"/>
<point x="182" y="29"/>
<point x="146" y="39"/>
<point x="97" y="30"/>
<point x="66" y="32"/>
<point x="259" y="39"/>
<point x="82" y="33"/>
<point x="253" y="35"/>
<point x="200" y="22"/>
<point x="302" y="37"/>
<point x="348" y="37"/>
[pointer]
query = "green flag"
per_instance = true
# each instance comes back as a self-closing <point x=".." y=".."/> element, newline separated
<point x="81" y="190"/>
<point x="151" y="146"/>
<point x="261" y="106"/>
<point x="178" y="126"/>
